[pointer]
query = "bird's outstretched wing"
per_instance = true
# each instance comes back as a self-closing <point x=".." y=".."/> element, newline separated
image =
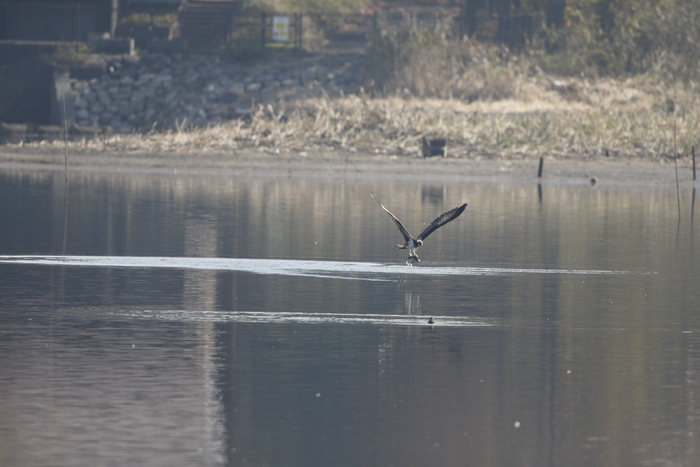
<point x="404" y="231"/>
<point x="443" y="219"/>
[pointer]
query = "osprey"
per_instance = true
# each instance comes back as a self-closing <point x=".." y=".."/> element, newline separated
<point x="413" y="243"/>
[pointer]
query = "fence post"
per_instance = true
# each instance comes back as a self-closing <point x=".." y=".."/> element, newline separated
<point x="295" y="26"/>
<point x="262" y="29"/>
<point x="78" y="27"/>
<point x="301" y="30"/>
<point x="694" y="177"/>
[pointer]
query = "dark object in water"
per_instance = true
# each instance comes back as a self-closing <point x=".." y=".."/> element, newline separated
<point x="430" y="321"/>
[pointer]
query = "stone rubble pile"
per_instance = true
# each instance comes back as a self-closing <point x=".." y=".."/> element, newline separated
<point x="170" y="91"/>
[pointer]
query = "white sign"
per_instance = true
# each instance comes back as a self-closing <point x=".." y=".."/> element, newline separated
<point x="280" y="28"/>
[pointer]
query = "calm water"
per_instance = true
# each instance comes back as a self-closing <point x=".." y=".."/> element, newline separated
<point x="267" y="321"/>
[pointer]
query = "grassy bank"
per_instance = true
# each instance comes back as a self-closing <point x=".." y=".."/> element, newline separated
<point x="488" y="102"/>
<point x="572" y="118"/>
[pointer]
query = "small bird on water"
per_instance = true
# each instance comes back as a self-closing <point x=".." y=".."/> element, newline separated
<point x="413" y="243"/>
<point x="430" y="321"/>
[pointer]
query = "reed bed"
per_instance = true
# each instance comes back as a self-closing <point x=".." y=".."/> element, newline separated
<point x="488" y="102"/>
<point x="573" y="118"/>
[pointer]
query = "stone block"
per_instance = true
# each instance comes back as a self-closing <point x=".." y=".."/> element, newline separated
<point x="307" y="77"/>
<point x="124" y="110"/>
<point x="163" y="79"/>
<point x="253" y="87"/>
<point x="170" y="97"/>
<point x="96" y="106"/>
<point x="217" y="110"/>
<point x="267" y="77"/>
<point x="80" y="86"/>
<point x="287" y="82"/>
<point x="237" y="88"/>
<point x="103" y="98"/>
<point x="190" y="77"/>
<point x="144" y="78"/>
<point x="123" y="94"/>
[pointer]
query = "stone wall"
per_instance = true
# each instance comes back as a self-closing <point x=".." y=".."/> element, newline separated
<point x="169" y="91"/>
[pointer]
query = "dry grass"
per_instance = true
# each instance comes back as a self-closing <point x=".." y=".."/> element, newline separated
<point x="487" y="102"/>
<point x="574" y="118"/>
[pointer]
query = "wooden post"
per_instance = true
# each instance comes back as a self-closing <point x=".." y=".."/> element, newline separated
<point x="539" y="171"/>
<point x="65" y="179"/>
<point x="262" y="29"/>
<point x="693" y="150"/>
<point x="675" y="163"/>
<point x="301" y="31"/>
<point x="295" y="26"/>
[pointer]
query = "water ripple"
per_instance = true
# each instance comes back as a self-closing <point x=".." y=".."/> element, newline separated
<point x="300" y="318"/>
<point x="290" y="267"/>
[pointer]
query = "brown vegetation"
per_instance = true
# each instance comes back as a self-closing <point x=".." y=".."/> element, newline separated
<point x="575" y="118"/>
<point x="489" y="102"/>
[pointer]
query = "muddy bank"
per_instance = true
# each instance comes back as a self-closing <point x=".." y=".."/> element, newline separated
<point x="337" y="163"/>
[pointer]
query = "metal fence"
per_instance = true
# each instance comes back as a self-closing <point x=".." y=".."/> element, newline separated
<point x="294" y="31"/>
<point x="268" y="30"/>
<point x="257" y="31"/>
<point x="514" y="30"/>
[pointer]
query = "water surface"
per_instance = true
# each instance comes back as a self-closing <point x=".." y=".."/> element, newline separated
<point x="237" y="320"/>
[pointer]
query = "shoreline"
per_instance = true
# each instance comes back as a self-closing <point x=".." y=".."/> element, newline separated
<point x="347" y="164"/>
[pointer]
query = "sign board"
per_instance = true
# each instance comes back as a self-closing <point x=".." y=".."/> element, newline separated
<point x="280" y="28"/>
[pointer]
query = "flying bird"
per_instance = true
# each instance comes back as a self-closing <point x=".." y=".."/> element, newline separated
<point x="413" y="243"/>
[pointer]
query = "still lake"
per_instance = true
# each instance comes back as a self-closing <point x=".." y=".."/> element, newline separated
<point x="226" y="319"/>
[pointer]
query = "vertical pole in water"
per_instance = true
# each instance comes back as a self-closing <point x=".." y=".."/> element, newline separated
<point x="65" y="174"/>
<point x="692" y="209"/>
<point x="539" y="171"/>
<point x="675" y="161"/>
